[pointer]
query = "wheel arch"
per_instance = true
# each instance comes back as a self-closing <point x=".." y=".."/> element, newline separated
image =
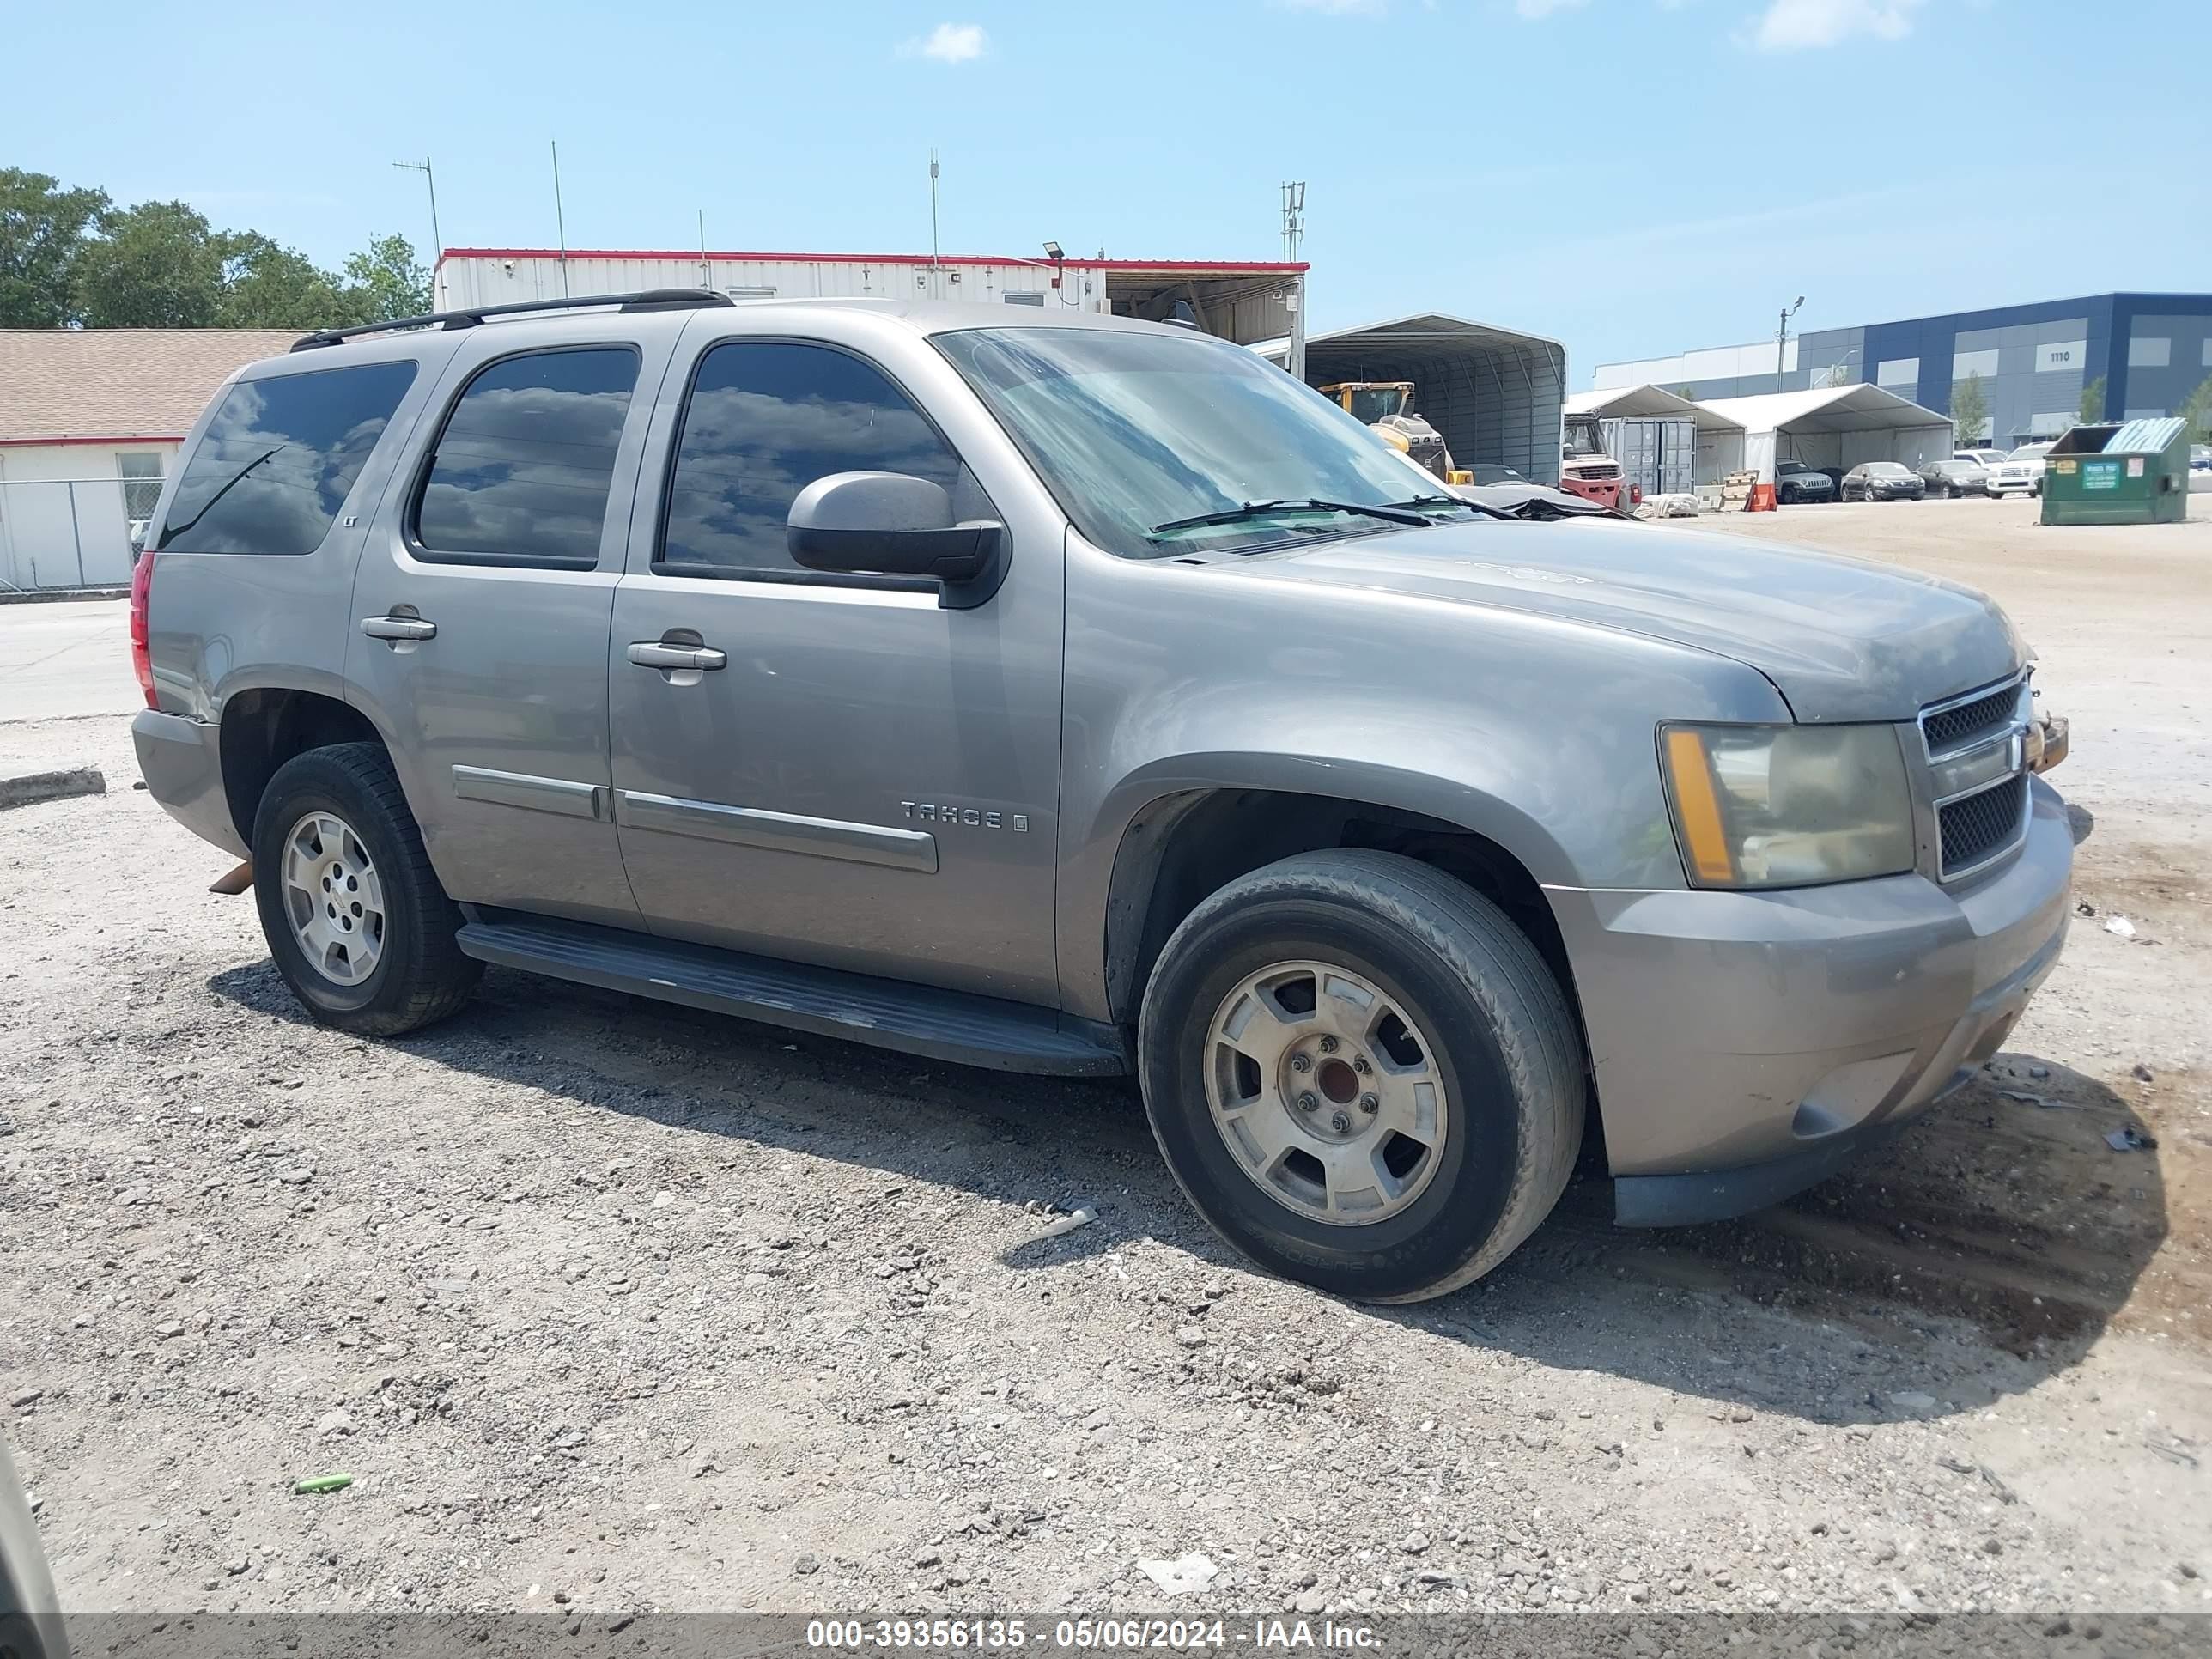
<point x="264" y="725"/>
<point x="1182" y="843"/>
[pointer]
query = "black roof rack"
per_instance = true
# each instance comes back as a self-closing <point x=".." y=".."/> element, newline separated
<point x="652" y="299"/>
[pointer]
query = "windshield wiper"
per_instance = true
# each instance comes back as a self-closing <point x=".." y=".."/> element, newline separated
<point x="229" y="483"/>
<point x="1483" y="508"/>
<point x="1388" y="514"/>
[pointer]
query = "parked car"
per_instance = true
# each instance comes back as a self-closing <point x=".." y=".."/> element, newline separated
<point x="1071" y="694"/>
<point x="1795" y="481"/>
<point x="1982" y="458"/>
<point x="1882" y="481"/>
<point x="2200" y="458"/>
<point x="2012" y="477"/>
<point x="1954" y="477"/>
<point x="2031" y="456"/>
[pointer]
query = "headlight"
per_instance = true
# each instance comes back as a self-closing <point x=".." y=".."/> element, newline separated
<point x="1787" y="806"/>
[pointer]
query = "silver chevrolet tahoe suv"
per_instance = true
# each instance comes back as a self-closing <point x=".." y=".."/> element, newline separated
<point x="1067" y="693"/>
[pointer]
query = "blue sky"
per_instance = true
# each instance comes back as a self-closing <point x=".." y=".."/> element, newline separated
<point x="1631" y="177"/>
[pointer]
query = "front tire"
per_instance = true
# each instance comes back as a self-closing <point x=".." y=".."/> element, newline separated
<point x="355" y="916"/>
<point x="1362" y="1073"/>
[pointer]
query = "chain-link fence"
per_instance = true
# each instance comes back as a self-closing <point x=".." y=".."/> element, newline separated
<point x="59" y="533"/>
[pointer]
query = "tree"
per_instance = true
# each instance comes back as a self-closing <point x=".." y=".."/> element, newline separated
<point x="2093" y="402"/>
<point x="42" y="230"/>
<point x="2197" y="410"/>
<point x="1970" y="409"/>
<point x="390" y="280"/>
<point x="155" y="265"/>
<point x="268" y="286"/>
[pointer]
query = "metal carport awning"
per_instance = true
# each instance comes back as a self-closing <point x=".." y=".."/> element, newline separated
<point x="1493" y="392"/>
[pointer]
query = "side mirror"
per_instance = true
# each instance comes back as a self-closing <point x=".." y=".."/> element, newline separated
<point x="888" y="523"/>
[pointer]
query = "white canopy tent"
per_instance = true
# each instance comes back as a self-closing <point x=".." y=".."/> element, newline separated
<point x="1833" y="427"/>
<point x="1646" y="403"/>
<point x="1719" y="437"/>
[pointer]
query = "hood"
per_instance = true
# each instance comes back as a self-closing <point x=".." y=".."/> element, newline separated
<point x="1841" y="640"/>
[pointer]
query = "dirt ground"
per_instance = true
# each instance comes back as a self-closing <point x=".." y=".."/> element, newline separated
<point x="608" y="1307"/>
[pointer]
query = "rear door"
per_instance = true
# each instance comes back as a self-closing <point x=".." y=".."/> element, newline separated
<point x="482" y="603"/>
<point x="862" y="777"/>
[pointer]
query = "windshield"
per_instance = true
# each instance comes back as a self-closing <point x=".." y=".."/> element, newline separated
<point x="1887" y="470"/>
<point x="1583" y="438"/>
<point x="2028" y="453"/>
<point x="1131" y="431"/>
<point x="1377" y="403"/>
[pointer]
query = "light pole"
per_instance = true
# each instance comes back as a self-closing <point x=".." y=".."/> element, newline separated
<point x="437" y="242"/>
<point x="1782" y="339"/>
<point x="1294" y="233"/>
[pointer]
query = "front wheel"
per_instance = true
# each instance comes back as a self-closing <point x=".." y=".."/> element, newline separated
<point x="355" y="918"/>
<point x="1362" y="1073"/>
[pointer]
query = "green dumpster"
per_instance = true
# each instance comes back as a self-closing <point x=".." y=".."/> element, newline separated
<point x="2118" y="472"/>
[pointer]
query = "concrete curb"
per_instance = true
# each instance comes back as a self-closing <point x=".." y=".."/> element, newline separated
<point x="56" y="595"/>
<point x="29" y="788"/>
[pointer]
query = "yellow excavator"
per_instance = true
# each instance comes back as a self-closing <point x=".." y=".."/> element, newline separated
<point x="1388" y="406"/>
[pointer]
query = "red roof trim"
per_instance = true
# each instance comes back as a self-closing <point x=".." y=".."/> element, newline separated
<point x="1240" y="267"/>
<point x="35" y="443"/>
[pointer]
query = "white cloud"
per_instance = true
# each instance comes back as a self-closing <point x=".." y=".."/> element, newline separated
<point x="1794" y="25"/>
<point x="950" y="43"/>
<point x="1537" y="11"/>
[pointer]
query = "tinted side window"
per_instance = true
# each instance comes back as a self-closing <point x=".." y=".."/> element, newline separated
<point x="521" y="471"/>
<point x="764" y="420"/>
<point x="279" y="458"/>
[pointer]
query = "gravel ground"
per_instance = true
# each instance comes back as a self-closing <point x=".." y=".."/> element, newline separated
<point x="608" y="1307"/>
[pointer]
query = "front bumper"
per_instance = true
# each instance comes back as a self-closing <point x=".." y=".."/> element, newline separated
<point x="1746" y="1044"/>
<point x="181" y="761"/>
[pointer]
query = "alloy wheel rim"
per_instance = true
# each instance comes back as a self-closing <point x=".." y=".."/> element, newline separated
<point x="333" y="897"/>
<point x="1326" y="1092"/>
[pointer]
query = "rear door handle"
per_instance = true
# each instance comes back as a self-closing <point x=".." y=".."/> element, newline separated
<point x="398" y="628"/>
<point x="651" y="654"/>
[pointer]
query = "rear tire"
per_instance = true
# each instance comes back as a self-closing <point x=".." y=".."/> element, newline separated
<point x="356" y="921"/>
<point x="1362" y="1074"/>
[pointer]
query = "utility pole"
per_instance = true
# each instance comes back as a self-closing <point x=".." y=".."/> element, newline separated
<point x="560" y="218"/>
<point x="936" y="282"/>
<point x="1294" y="230"/>
<point x="1781" y="340"/>
<point x="437" y="242"/>
<point x="706" y="266"/>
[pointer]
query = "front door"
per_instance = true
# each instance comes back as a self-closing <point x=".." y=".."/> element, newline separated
<point x="481" y="609"/>
<point x="834" y="770"/>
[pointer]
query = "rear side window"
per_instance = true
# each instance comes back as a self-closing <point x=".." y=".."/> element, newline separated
<point x="521" y="472"/>
<point x="279" y="458"/>
<point x="765" y="419"/>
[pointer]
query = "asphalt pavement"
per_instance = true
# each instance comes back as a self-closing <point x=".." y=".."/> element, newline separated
<point x="65" y="660"/>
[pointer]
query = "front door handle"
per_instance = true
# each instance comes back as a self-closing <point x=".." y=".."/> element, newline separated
<point x="398" y="628"/>
<point x="651" y="654"/>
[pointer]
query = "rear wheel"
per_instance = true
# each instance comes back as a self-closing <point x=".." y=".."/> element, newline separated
<point x="1362" y="1073"/>
<point x="355" y="918"/>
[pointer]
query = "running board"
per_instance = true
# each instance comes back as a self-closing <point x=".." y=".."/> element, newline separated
<point x="914" y="1020"/>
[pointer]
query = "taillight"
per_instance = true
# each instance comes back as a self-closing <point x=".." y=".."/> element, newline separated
<point x="141" y="655"/>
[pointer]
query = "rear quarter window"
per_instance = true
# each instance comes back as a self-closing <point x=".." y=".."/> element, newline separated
<point x="279" y="458"/>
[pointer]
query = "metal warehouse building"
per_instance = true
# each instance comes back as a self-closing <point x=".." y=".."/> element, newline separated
<point x="2151" y="351"/>
<point x="1244" y="300"/>
<point x="1495" y="394"/>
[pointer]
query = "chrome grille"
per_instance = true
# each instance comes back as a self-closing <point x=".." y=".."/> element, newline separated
<point x="1958" y="723"/>
<point x="1979" y="826"/>
<point x="1594" y="474"/>
<point x="1977" y="775"/>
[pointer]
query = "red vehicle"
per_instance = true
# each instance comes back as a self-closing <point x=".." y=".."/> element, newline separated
<point x="1585" y="470"/>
